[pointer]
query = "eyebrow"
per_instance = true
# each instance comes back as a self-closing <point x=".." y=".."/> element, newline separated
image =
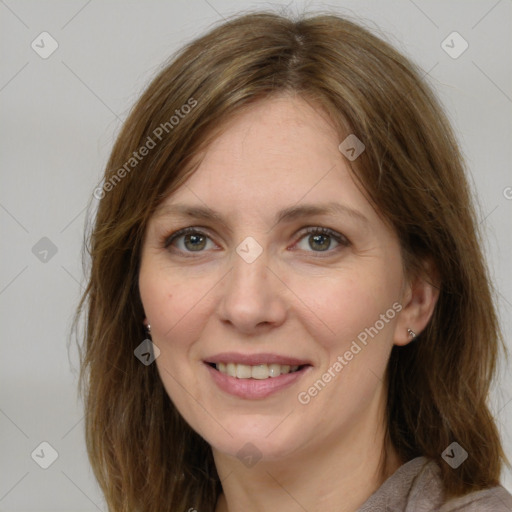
<point x="286" y="215"/>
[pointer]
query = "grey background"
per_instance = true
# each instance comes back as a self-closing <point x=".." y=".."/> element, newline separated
<point x="60" y="116"/>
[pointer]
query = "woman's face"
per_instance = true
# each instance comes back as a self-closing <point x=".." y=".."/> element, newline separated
<point x="253" y="291"/>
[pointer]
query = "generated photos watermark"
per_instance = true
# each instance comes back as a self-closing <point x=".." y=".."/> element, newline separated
<point x="304" y="397"/>
<point x="150" y="143"/>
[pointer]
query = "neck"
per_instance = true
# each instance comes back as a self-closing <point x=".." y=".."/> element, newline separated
<point x="339" y="474"/>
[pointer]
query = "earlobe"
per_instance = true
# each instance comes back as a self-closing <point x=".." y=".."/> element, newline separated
<point x="147" y="326"/>
<point x="420" y="300"/>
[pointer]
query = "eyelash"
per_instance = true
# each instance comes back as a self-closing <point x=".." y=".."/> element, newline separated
<point x="317" y="230"/>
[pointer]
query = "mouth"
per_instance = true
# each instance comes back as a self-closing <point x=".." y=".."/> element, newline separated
<point x="260" y="371"/>
<point x="255" y="376"/>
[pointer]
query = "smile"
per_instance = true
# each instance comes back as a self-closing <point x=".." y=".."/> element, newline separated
<point x="255" y="376"/>
<point x="258" y="371"/>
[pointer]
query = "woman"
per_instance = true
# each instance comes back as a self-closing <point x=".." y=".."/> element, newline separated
<point x="288" y="306"/>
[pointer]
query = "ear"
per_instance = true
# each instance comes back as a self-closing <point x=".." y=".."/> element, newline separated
<point x="145" y="322"/>
<point x="418" y="302"/>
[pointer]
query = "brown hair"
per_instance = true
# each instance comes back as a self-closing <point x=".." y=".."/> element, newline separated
<point x="144" y="455"/>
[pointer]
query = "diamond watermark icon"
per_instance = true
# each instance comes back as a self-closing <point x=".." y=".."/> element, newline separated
<point x="44" y="250"/>
<point x="454" y="45"/>
<point x="351" y="147"/>
<point x="146" y="352"/>
<point x="454" y="455"/>
<point x="44" y="45"/>
<point x="249" y="455"/>
<point x="44" y="455"/>
<point x="249" y="250"/>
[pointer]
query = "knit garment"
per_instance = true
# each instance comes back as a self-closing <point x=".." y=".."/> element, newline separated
<point x="416" y="486"/>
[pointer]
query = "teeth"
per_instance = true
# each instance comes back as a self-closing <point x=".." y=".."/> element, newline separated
<point x="243" y="371"/>
<point x="230" y="369"/>
<point x="259" y="371"/>
<point x="274" y="370"/>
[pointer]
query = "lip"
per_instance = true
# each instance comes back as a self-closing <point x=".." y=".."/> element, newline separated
<point x="254" y="359"/>
<point x="255" y="389"/>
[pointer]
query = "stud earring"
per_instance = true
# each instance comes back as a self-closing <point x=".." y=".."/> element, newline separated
<point x="412" y="334"/>
<point x="148" y="329"/>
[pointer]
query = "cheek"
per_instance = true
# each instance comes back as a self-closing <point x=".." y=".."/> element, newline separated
<point x="345" y="305"/>
<point x="178" y="308"/>
<point x="169" y="302"/>
<point x="173" y="307"/>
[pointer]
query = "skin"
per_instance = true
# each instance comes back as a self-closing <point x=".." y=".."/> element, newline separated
<point x="294" y="300"/>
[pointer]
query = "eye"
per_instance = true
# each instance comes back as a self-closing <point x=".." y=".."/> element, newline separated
<point x="188" y="240"/>
<point x="320" y="239"/>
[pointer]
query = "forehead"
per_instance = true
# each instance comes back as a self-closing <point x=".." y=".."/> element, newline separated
<point x="284" y="132"/>
<point x="278" y="152"/>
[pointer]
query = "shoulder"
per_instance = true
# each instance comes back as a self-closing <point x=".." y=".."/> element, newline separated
<point x="427" y="494"/>
<point x="494" y="499"/>
<point x="417" y="487"/>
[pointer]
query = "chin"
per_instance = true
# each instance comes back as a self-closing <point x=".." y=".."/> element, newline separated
<point x="262" y="441"/>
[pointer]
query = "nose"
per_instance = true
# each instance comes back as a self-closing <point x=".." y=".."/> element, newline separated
<point x="252" y="296"/>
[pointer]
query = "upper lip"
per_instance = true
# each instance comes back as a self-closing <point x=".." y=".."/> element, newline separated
<point x="255" y="359"/>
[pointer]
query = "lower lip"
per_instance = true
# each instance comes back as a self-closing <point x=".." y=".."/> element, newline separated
<point x="253" y="389"/>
